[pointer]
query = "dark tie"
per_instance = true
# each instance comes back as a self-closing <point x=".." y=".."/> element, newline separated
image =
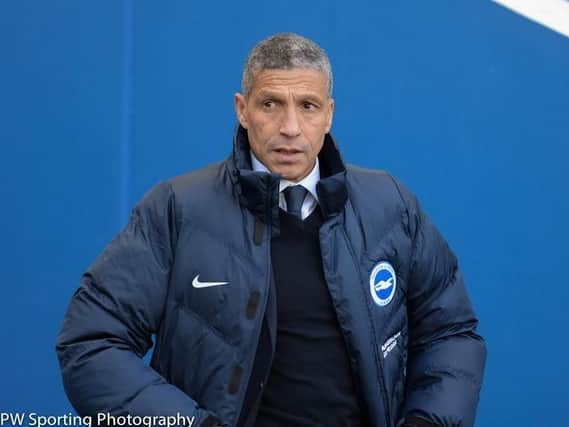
<point x="294" y="196"/>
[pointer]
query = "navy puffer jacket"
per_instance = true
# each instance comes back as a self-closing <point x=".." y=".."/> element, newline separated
<point x="396" y="287"/>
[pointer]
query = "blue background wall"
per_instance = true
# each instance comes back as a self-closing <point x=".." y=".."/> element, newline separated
<point x="464" y="101"/>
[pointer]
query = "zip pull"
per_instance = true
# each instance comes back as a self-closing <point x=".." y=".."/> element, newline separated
<point x="259" y="230"/>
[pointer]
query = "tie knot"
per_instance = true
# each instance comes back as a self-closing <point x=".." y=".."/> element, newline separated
<point x="294" y="196"/>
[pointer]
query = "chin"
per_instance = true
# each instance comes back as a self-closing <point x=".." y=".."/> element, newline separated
<point x="291" y="173"/>
<point x="294" y="177"/>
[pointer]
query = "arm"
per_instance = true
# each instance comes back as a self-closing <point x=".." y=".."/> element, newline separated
<point x="446" y="355"/>
<point x="111" y="317"/>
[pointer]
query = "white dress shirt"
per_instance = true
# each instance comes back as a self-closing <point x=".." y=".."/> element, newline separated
<point x="309" y="182"/>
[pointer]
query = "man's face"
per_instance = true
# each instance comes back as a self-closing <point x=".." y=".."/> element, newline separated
<point x="286" y="115"/>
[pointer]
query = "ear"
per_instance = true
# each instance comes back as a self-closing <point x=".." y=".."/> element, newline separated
<point x="330" y="114"/>
<point x="241" y="109"/>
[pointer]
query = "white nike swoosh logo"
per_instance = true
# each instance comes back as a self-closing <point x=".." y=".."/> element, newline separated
<point x="197" y="284"/>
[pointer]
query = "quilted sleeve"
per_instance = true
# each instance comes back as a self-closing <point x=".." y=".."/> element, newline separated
<point x="109" y="322"/>
<point x="446" y="354"/>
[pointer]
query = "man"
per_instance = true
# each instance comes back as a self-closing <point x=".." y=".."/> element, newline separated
<point x="284" y="287"/>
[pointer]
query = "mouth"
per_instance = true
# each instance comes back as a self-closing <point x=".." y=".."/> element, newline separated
<point x="287" y="151"/>
<point x="287" y="155"/>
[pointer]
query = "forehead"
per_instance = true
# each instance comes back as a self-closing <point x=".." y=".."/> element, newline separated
<point x="300" y="80"/>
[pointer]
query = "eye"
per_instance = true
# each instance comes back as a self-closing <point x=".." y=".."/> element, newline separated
<point x="268" y="104"/>
<point x="309" y="105"/>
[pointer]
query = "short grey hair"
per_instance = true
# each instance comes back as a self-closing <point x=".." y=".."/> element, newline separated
<point x="285" y="51"/>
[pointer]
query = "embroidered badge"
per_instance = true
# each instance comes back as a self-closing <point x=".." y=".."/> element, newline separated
<point x="382" y="283"/>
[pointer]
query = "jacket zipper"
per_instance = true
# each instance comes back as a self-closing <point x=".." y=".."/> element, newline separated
<point x="259" y="323"/>
<point x="377" y="359"/>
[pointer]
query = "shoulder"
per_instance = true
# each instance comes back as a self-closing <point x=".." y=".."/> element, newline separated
<point x="202" y="179"/>
<point x="378" y="188"/>
<point x="180" y="194"/>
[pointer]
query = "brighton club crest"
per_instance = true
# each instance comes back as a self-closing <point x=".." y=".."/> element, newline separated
<point x="382" y="283"/>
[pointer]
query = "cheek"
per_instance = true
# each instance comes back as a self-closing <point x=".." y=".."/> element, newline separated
<point x="316" y="147"/>
<point x="259" y="136"/>
<point x="315" y="134"/>
<point x="317" y="124"/>
<point x="265" y="130"/>
<point x="259" y="124"/>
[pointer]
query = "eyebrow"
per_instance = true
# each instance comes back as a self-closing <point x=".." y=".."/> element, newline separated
<point x="309" y="96"/>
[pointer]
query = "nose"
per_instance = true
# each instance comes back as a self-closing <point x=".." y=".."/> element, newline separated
<point x="290" y="125"/>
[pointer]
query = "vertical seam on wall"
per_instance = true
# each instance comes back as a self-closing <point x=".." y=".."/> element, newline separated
<point x="126" y="111"/>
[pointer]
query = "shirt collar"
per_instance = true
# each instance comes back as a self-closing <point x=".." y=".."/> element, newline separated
<point x="309" y="182"/>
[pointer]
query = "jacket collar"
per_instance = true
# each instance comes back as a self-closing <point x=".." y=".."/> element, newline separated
<point x="259" y="191"/>
<point x="309" y="182"/>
